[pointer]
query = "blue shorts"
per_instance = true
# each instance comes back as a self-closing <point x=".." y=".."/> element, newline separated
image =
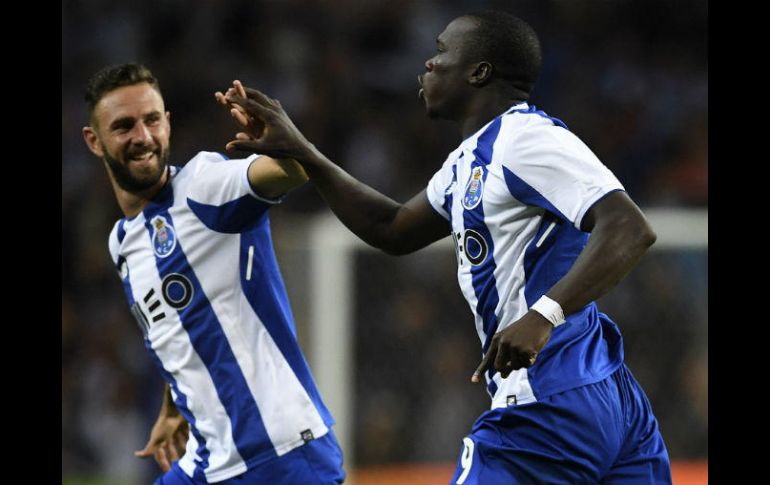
<point x="319" y="462"/>
<point x="602" y="433"/>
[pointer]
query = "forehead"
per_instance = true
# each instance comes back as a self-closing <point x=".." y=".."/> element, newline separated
<point x="458" y="31"/>
<point x="128" y="101"/>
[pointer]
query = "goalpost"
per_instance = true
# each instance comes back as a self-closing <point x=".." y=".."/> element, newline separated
<point x="329" y="294"/>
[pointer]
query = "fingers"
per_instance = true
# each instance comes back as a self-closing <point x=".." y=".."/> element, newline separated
<point x="180" y="442"/>
<point x="243" y="145"/>
<point x="476" y="377"/>
<point x="147" y="451"/>
<point x="503" y="361"/>
<point x="172" y="453"/>
<point x="258" y="96"/>
<point x="518" y="360"/>
<point x="250" y="107"/>
<point x="239" y="88"/>
<point x="504" y="358"/>
<point x="161" y="459"/>
<point x="240" y="116"/>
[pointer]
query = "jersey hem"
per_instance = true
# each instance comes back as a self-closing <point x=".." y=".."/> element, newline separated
<point x="262" y="458"/>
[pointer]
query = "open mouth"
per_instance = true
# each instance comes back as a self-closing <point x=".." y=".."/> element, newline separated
<point x="140" y="156"/>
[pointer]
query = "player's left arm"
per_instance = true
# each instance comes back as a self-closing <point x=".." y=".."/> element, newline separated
<point x="620" y="235"/>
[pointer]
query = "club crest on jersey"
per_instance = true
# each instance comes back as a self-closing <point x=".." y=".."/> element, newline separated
<point x="163" y="237"/>
<point x="474" y="189"/>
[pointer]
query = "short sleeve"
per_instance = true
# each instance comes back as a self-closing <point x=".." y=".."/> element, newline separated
<point x="548" y="166"/>
<point x="220" y="194"/>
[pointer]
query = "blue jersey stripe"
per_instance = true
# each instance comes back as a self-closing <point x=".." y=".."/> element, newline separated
<point x="266" y="294"/>
<point x="483" y="275"/>
<point x="121" y="230"/>
<point x="211" y="345"/>
<point x="231" y="217"/>
<point x="544" y="266"/>
<point x="181" y="399"/>
<point x="448" y="198"/>
<point x="528" y="194"/>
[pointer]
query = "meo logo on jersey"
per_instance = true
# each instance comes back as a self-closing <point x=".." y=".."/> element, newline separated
<point x="163" y="237"/>
<point x="474" y="189"/>
<point x="470" y="245"/>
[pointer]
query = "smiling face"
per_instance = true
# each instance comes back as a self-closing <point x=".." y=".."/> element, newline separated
<point x="130" y="131"/>
<point x="445" y="84"/>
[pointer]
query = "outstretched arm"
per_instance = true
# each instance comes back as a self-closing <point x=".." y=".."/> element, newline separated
<point x="270" y="177"/>
<point x="377" y="219"/>
<point x="620" y="235"/>
<point x="169" y="434"/>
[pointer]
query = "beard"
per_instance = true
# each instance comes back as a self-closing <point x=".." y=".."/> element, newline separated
<point x="136" y="182"/>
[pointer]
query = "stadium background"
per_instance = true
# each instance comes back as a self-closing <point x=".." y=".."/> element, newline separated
<point x="629" y="77"/>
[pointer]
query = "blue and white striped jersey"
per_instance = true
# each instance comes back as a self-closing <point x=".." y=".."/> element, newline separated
<point x="201" y="278"/>
<point x="515" y="194"/>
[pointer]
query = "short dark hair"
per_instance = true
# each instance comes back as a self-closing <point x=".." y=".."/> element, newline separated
<point x="113" y="77"/>
<point x="510" y="44"/>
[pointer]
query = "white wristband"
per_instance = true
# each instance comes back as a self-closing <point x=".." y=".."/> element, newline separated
<point x="550" y="310"/>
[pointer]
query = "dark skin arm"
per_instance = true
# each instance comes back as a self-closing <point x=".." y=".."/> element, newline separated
<point x="620" y="235"/>
<point x="377" y="219"/>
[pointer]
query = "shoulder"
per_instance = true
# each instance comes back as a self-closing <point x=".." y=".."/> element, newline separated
<point x="203" y="160"/>
<point x="207" y="168"/>
<point x="532" y="124"/>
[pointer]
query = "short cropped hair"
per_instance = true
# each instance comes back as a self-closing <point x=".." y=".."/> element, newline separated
<point x="509" y="44"/>
<point x="113" y="77"/>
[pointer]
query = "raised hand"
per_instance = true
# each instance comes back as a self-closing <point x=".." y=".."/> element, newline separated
<point x="267" y="129"/>
<point x="516" y="346"/>
<point x="252" y="127"/>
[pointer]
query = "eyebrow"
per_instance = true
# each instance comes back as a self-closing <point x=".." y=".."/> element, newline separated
<point x="122" y="122"/>
<point x="130" y="120"/>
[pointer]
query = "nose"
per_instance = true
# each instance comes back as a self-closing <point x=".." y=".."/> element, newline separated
<point x="141" y="134"/>
<point x="429" y="65"/>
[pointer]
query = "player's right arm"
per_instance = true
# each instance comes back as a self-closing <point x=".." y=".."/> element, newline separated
<point x="377" y="219"/>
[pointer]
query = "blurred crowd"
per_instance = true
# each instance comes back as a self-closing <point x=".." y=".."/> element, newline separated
<point x="629" y="77"/>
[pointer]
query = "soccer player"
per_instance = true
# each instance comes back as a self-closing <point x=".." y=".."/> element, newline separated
<point x="195" y="256"/>
<point x="542" y="229"/>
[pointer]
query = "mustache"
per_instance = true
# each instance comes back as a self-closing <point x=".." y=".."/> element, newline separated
<point x="140" y="150"/>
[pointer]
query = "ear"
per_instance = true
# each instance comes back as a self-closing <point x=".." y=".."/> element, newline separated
<point x="481" y="74"/>
<point x="168" y="122"/>
<point x="92" y="140"/>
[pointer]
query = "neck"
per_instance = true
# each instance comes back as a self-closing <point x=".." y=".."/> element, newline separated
<point x="483" y="109"/>
<point x="132" y="203"/>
